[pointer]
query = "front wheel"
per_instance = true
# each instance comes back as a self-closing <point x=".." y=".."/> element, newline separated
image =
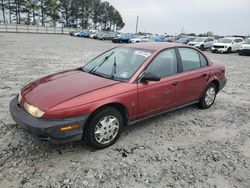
<point x="104" y="128"/>
<point x="202" y="47"/>
<point x="208" y="96"/>
<point x="229" y="50"/>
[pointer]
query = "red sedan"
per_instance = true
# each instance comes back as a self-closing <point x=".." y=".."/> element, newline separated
<point x="119" y="87"/>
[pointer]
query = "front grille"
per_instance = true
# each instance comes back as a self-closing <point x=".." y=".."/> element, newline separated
<point x="217" y="46"/>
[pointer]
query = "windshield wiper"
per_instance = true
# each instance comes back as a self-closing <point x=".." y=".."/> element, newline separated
<point x="113" y="69"/>
<point x="93" y="70"/>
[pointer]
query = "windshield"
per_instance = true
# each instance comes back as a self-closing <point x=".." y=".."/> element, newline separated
<point x="124" y="60"/>
<point x="247" y="41"/>
<point x="225" y="40"/>
<point x="199" y="39"/>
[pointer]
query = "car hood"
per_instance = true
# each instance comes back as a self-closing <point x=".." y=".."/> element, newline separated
<point x="52" y="90"/>
<point x="246" y="46"/>
<point x="223" y="44"/>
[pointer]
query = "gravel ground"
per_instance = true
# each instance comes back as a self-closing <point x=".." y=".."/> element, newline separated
<point x="185" y="148"/>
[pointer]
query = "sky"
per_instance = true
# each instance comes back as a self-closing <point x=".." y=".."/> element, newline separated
<point x="223" y="17"/>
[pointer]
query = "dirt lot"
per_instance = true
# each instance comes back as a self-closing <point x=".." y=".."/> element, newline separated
<point x="185" y="148"/>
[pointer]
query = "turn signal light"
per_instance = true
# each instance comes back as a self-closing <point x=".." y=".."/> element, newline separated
<point x="69" y="127"/>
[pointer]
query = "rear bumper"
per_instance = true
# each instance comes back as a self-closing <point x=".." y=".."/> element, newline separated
<point x="48" y="129"/>
<point x="222" y="83"/>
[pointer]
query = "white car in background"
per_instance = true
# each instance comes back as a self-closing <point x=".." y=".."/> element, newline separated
<point x="245" y="48"/>
<point x="138" y="39"/>
<point x="202" y="42"/>
<point x="228" y="45"/>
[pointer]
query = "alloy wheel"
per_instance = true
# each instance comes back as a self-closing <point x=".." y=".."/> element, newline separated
<point x="210" y="96"/>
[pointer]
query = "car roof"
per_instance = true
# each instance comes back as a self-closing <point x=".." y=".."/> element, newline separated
<point x="155" y="46"/>
<point x="232" y="38"/>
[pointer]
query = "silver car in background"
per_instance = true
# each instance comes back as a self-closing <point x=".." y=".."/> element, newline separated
<point x="203" y="42"/>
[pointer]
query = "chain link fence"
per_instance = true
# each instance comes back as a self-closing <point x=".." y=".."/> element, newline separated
<point x="18" y="28"/>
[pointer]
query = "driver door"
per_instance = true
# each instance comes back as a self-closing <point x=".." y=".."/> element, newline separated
<point x="156" y="96"/>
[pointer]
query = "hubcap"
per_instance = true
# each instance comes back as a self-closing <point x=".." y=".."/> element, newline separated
<point x="106" y="129"/>
<point x="210" y="96"/>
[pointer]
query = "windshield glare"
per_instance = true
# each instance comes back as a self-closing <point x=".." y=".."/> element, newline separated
<point x="127" y="61"/>
<point x="199" y="39"/>
<point x="224" y="40"/>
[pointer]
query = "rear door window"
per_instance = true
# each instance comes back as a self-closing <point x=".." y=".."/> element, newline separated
<point x="190" y="59"/>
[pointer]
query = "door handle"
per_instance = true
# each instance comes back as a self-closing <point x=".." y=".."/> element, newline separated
<point x="176" y="83"/>
<point x="204" y="75"/>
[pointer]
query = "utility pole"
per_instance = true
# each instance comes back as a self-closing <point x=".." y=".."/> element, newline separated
<point x="182" y="30"/>
<point x="136" y="28"/>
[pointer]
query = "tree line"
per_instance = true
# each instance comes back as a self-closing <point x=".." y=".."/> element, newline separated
<point x="93" y="14"/>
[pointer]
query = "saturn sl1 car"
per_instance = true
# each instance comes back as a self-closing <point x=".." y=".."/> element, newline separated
<point x="122" y="86"/>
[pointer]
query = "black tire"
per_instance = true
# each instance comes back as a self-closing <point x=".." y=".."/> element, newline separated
<point x="89" y="131"/>
<point x="202" y="102"/>
<point x="202" y="47"/>
<point x="229" y="50"/>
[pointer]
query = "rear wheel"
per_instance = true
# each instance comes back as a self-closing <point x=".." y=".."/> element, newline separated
<point x="104" y="128"/>
<point x="202" y="47"/>
<point x="208" y="96"/>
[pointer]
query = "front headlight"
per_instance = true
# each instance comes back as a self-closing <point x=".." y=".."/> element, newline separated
<point x="19" y="97"/>
<point x="34" y="111"/>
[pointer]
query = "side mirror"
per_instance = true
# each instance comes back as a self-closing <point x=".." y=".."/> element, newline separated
<point x="150" y="77"/>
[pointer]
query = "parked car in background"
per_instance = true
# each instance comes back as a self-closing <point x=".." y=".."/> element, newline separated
<point x="117" y="39"/>
<point x="76" y="33"/>
<point x="227" y="45"/>
<point x="124" y="38"/>
<point x="245" y="48"/>
<point x="93" y="34"/>
<point x="71" y="33"/>
<point x="140" y="38"/>
<point x="160" y="38"/>
<point x="185" y="40"/>
<point x="120" y="87"/>
<point x="84" y="34"/>
<point x="171" y="38"/>
<point x="106" y="36"/>
<point x="202" y="42"/>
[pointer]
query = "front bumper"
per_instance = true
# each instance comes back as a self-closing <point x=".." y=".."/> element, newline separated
<point x="244" y="51"/>
<point x="48" y="129"/>
<point x="221" y="50"/>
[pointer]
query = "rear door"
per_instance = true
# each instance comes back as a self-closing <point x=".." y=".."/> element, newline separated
<point x="194" y="76"/>
<point x="155" y="96"/>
